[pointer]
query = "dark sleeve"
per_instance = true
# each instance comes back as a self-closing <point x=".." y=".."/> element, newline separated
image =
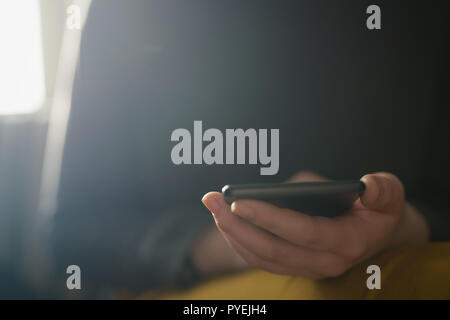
<point x="432" y="195"/>
<point x="126" y="250"/>
<point x="437" y="216"/>
<point x="111" y="220"/>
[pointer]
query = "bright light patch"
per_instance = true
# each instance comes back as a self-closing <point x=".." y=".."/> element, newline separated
<point x="22" y="86"/>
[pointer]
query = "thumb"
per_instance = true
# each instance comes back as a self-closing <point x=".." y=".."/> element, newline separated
<point x="384" y="192"/>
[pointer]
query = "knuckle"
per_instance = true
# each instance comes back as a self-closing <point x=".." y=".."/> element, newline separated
<point x="249" y="215"/>
<point x="355" y="244"/>
<point x="355" y="251"/>
<point x="284" y="253"/>
<point x="309" y="235"/>
<point x="268" y="222"/>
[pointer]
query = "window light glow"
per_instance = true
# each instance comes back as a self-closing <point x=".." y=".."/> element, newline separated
<point x="22" y="82"/>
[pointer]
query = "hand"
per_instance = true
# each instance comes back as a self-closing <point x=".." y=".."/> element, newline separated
<point x="284" y="241"/>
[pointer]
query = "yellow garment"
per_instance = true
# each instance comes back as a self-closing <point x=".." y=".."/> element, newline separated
<point x="413" y="273"/>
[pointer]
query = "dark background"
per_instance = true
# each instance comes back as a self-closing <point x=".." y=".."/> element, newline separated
<point x="347" y="100"/>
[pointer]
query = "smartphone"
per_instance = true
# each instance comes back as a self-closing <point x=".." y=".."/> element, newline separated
<point x="328" y="199"/>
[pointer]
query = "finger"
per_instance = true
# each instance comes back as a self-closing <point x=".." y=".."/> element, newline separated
<point x="384" y="192"/>
<point x="256" y="262"/>
<point x="261" y="243"/>
<point x="315" y="233"/>
<point x="212" y="202"/>
<point x="305" y="176"/>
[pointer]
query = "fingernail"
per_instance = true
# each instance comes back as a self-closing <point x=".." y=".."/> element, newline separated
<point x="372" y="192"/>
<point x="241" y="209"/>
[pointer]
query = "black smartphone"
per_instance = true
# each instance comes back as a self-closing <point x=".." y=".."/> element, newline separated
<point x="328" y="199"/>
